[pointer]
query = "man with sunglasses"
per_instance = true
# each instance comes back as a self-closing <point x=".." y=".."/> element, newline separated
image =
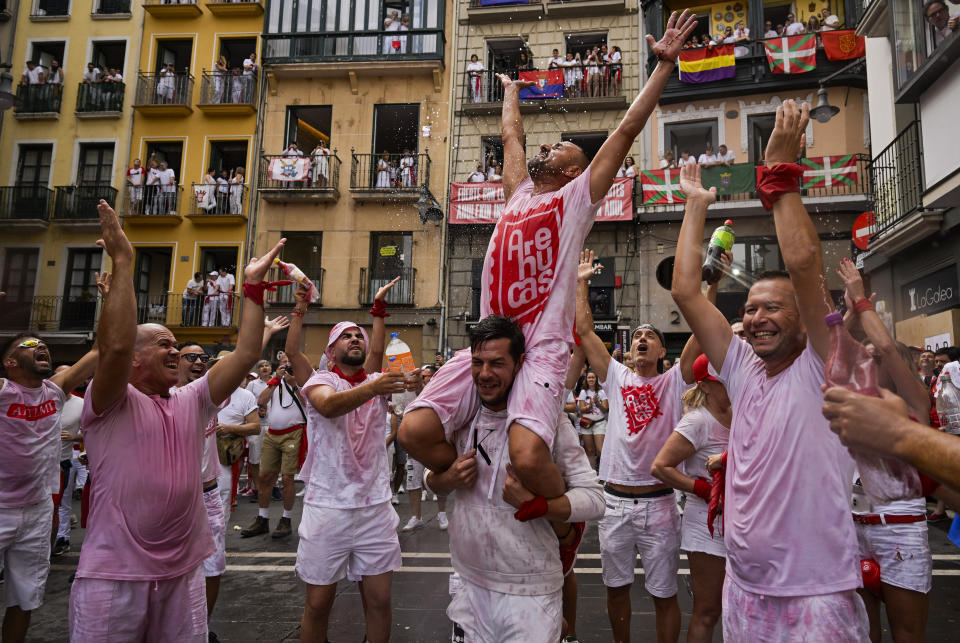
<point x="31" y="402"/>
<point x="511" y="571"/>
<point x="140" y="572"/>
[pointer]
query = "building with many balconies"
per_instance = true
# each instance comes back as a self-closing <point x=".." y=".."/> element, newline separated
<point x="912" y="256"/>
<point x="352" y="148"/>
<point x="62" y="149"/>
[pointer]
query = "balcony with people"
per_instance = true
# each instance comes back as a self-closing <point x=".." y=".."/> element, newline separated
<point x="218" y="201"/>
<point x="75" y="206"/>
<point x="294" y="175"/>
<point x="167" y="93"/>
<point x="100" y="100"/>
<point x="38" y="101"/>
<point x="227" y="91"/>
<point x="410" y="39"/>
<point x="155" y="204"/>
<point x="389" y="176"/>
<point x="172" y="9"/>
<point x="25" y="207"/>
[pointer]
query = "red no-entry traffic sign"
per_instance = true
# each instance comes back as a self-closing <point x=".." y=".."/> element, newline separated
<point x="863" y="227"/>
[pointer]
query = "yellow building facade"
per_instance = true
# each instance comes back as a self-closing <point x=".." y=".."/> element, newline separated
<point x="62" y="148"/>
<point x="195" y="98"/>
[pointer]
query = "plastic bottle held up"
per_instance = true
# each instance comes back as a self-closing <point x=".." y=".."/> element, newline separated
<point x="850" y="366"/>
<point x="400" y="360"/>
<point x="948" y="404"/>
<point x="721" y="241"/>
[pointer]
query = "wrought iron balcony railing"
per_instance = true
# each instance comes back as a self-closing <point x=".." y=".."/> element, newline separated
<point x="25" y="202"/>
<point x="576" y="81"/>
<point x="898" y="178"/>
<point x="167" y="88"/>
<point x="79" y="202"/>
<point x="152" y="200"/>
<point x="400" y="295"/>
<point x="338" y="46"/>
<point x="174" y="310"/>
<point x="216" y="198"/>
<point x="100" y="97"/>
<point x="39" y="99"/>
<point x="278" y="172"/>
<point x="389" y="172"/>
<point x="224" y="88"/>
<point x="51" y="313"/>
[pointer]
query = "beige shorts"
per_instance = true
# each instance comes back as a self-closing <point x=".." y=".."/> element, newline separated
<point x="281" y="453"/>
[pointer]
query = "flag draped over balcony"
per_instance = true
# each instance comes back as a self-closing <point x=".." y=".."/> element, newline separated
<point x="843" y="45"/>
<point x="738" y="178"/>
<point x="707" y="64"/>
<point x="792" y="54"/>
<point x="289" y="168"/>
<point x="661" y="186"/>
<point x="549" y="84"/>
<point x="827" y="171"/>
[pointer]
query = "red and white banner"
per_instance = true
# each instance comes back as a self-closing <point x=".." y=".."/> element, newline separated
<point x="289" y="168"/>
<point x="483" y="202"/>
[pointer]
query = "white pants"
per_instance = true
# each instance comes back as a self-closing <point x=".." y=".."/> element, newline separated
<point x="491" y="617"/>
<point x="25" y="553"/>
<point x="216" y="563"/>
<point x="66" y="503"/>
<point x="226" y="309"/>
<point x="901" y="551"/>
<point x="210" y="310"/>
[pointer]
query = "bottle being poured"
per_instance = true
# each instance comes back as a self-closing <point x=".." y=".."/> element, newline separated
<point x="850" y="366"/>
<point x="291" y="270"/>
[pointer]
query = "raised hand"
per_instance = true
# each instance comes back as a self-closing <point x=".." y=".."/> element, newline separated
<point x="389" y="383"/>
<point x="276" y="324"/>
<point x="852" y="279"/>
<point x="519" y="84"/>
<point x="103" y="282"/>
<point x="300" y="294"/>
<point x="677" y="31"/>
<point x="788" y="140"/>
<point x="382" y="293"/>
<point x="256" y="270"/>
<point x="865" y="422"/>
<point x="692" y="187"/>
<point x="113" y="240"/>
<point x="586" y="269"/>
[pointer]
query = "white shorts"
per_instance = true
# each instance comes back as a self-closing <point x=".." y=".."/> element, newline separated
<point x="337" y="542"/>
<point x="254" y="446"/>
<point x="694" y="535"/>
<point x="649" y="527"/>
<point x="597" y="428"/>
<point x="902" y="551"/>
<point x="839" y="617"/>
<point x="414" y="474"/>
<point x="491" y="617"/>
<point x="118" y="611"/>
<point x="216" y="563"/>
<point x="25" y="553"/>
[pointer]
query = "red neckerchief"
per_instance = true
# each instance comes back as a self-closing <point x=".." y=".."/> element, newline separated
<point x="354" y="379"/>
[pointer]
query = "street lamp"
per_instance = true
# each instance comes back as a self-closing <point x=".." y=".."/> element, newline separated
<point x="428" y="207"/>
<point x="824" y="111"/>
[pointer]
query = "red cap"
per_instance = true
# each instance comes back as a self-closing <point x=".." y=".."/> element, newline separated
<point x="701" y="371"/>
<point x="728" y="222"/>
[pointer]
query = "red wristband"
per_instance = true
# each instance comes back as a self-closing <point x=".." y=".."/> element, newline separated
<point x="274" y="382"/>
<point x="927" y="485"/>
<point x="862" y="305"/>
<point x="379" y="308"/>
<point x="723" y="461"/>
<point x="254" y="292"/>
<point x="701" y="488"/>
<point x="532" y="509"/>
<point x="776" y="181"/>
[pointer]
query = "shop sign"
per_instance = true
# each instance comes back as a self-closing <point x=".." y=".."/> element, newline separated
<point x="932" y="293"/>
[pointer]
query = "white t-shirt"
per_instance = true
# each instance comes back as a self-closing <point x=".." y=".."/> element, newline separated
<point x="283" y="412"/>
<point x="477" y="177"/>
<point x="707" y="436"/>
<point x="135" y="174"/>
<point x="707" y="158"/>
<point x="153" y="176"/>
<point x="70" y="421"/>
<point x="249" y="67"/>
<point x="771" y="34"/>
<point x="226" y="283"/>
<point x="192" y="285"/>
<point x="233" y="411"/>
<point x="167" y="179"/>
<point x="794" y="29"/>
<point x="554" y="62"/>
<point x="729" y="157"/>
<point x="30" y="425"/>
<point x="34" y="75"/>
<point x="256" y="387"/>
<point x="91" y="76"/>
<point x="593" y="412"/>
<point x="643" y="413"/>
<point x="681" y="162"/>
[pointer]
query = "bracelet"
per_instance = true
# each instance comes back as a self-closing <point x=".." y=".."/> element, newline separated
<point x="774" y="182"/>
<point x="862" y="305"/>
<point x="254" y="292"/>
<point x="297" y="313"/>
<point x="532" y="509"/>
<point x="379" y="308"/>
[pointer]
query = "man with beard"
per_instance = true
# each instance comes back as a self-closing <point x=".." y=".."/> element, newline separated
<point x="140" y="574"/>
<point x="348" y="528"/>
<point x="30" y="410"/>
<point x="792" y="564"/>
<point x="529" y="275"/>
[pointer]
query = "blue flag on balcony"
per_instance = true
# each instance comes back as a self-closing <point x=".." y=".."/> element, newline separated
<point x="549" y="84"/>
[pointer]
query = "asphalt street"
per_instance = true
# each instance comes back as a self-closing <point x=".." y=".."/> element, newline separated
<point x="261" y="598"/>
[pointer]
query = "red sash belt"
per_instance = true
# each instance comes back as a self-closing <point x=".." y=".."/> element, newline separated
<point x="887" y="519"/>
<point x="287" y="430"/>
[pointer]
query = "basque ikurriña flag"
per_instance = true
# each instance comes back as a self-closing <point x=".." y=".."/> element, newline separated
<point x="827" y="171"/>
<point x="549" y="84"/>
<point x="661" y="186"/>
<point x="707" y="64"/>
<point x="792" y="54"/>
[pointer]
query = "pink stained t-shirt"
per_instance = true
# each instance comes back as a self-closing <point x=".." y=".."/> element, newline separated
<point x="147" y="520"/>
<point x="530" y="271"/>
<point x="346" y="467"/>
<point x="30" y="451"/>
<point x="787" y="526"/>
<point x="643" y="413"/>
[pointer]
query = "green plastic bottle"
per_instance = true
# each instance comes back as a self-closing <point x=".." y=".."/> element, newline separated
<point x="722" y="240"/>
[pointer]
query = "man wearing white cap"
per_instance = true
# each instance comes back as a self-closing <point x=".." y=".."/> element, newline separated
<point x="349" y="527"/>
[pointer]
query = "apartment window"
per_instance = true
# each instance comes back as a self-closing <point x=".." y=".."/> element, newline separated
<point x="309" y="126"/>
<point x="391" y="256"/>
<point x="305" y="250"/>
<point x="217" y="257"/>
<point x="583" y="43"/>
<point x="396" y="128"/>
<point x="33" y="165"/>
<point x="236" y="50"/>
<point x="52" y="8"/>
<point x="228" y="155"/>
<point x="177" y="52"/>
<point x="503" y="55"/>
<point x="19" y="280"/>
<point x="79" y="308"/>
<point x="292" y="16"/>
<point x="108" y="54"/>
<point x="690" y="137"/>
<point x="96" y="164"/>
<point x="169" y="152"/>
<point x="589" y="142"/>
<point x="776" y="14"/>
<point x="760" y="129"/>
<point x="112" y="7"/>
<point x="45" y="52"/>
<point x="492" y="149"/>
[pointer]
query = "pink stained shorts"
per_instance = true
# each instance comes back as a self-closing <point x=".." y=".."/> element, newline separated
<point x="216" y="563"/>
<point x="487" y="616"/>
<point x="535" y="399"/>
<point x="839" y="617"/>
<point x="108" y="611"/>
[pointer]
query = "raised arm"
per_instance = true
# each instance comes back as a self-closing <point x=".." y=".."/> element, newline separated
<point x="705" y="320"/>
<point x="908" y="385"/>
<point x="577" y="359"/>
<point x="332" y="404"/>
<point x="603" y="169"/>
<point x="77" y="374"/>
<point x="798" y="239"/>
<point x="378" y="334"/>
<point x="271" y="327"/>
<point x="593" y="348"/>
<point x="232" y="369"/>
<point x="302" y="369"/>
<point x="117" y="328"/>
<point x="514" y="159"/>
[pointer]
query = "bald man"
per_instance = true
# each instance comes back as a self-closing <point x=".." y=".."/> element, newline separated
<point x="140" y="574"/>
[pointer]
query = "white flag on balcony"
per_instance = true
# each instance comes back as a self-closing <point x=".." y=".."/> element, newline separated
<point x="205" y="195"/>
<point x="290" y="168"/>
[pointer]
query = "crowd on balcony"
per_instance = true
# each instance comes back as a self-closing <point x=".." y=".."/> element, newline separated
<point x="41" y="88"/>
<point x="152" y="189"/>
<point x="237" y="84"/>
<point x="223" y="192"/>
<point x="739" y="34"/>
<point x="106" y="88"/>
<point x="396" y="172"/>
<point x="707" y="158"/>
<point x="395" y="44"/>
<point x="319" y="175"/>
<point x="488" y="172"/>
<point x="205" y="299"/>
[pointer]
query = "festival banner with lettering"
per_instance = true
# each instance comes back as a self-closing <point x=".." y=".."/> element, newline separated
<point x="289" y="168"/>
<point x="483" y="202"/>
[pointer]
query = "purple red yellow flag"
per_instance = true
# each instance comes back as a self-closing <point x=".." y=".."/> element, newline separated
<point x="706" y="64"/>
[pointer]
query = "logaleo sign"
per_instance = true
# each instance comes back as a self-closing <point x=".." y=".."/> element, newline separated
<point x="933" y="293"/>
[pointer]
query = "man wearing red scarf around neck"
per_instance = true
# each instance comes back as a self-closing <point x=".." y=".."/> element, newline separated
<point x="349" y="527"/>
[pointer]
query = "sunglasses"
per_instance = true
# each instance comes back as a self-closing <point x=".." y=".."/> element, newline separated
<point x="30" y="343"/>
<point x="192" y="357"/>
